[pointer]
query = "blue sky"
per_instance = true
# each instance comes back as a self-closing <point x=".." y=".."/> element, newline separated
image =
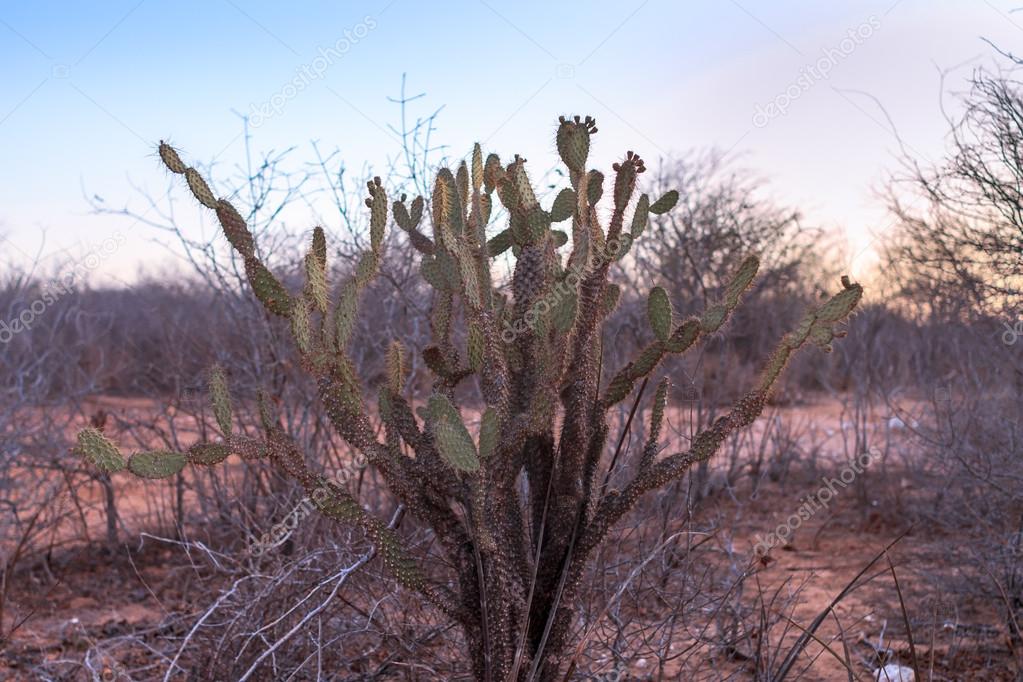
<point x="88" y="89"/>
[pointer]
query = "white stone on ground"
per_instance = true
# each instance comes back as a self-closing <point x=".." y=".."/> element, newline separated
<point x="893" y="672"/>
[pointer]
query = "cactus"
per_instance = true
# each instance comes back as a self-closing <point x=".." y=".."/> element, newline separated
<point x="157" y="464"/>
<point x="660" y="313"/>
<point x="100" y="452"/>
<point x="453" y="440"/>
<point x="536" y="356"/>
<point x="220" y="398"/>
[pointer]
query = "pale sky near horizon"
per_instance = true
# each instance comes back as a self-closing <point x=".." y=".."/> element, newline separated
<point x="90" y="87"/>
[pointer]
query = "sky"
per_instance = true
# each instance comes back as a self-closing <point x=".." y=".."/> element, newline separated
<point x="807" y="95"/>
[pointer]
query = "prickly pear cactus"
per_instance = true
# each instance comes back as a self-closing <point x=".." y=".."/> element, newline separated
<point x="100" y="452"/>
<point x="157" y="464"/>
<point x="533" y="350"/>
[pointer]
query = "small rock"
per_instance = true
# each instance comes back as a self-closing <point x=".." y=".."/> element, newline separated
<point x="893" y="672"/>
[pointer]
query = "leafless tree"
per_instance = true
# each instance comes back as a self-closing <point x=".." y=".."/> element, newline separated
<point x="960" y="221"/>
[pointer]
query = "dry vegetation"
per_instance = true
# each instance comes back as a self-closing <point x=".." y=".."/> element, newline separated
<point x="224" y="573"/>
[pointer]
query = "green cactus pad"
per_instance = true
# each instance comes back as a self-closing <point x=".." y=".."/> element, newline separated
<point x="713" y="317"/>
<point x="100" y="452"/>
<point x="157" y="463"/>
<point x="235" y="229"/>
<point x="378" y="214"/>
<point x="619" y="387"/>
<point x="316" y="281"/>
<point x="440" y="316"/>
<point x="200" y="189"/>
<point x="455" y="444"/>
<point x="493" y="173"/>
<point x="267" y="288"/>
<point x="477" y="167"/>
<point x="416" y="210"/>
<point x="594" y="187"/>
<point x="522" y="187"/>
<point x="625" y="184"/>
<point x="401" y="216"/>
<point x="538" y="222"/>
<point x="563" y="206"/>
<point x="665" y="203"/>
<point x="683" y="336"/>
<point x="573" y="141"/>
<point x="841" y="304"/>
<point x="499" y="243"/>
<point x="641" y="216"/>
<point x="659" y="312"/>
<point x="647" y="360"/>
<point x="367" y="268"/>
<point x="319" y="248"/>
<point x="450" y="269"/>
<point x="335" y="503"/>
<point x="170" y="158"/>
<point x="220" y="399"/>
<point x="741" y="281"/>
<point x="349" y="389"/>
<point x="822" y="335"/>
<point x="429" y="268"/>
<point x="443" y="198"/>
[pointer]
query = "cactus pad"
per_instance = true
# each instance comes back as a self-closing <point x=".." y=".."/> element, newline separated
<point x="171" y="159"/>
<point x="103" y="454"/>
<point x="665" y="203"/>
<point x="453" y="440"/>
<point x="200" y="189"/>
<point x="659" y="312"/>
<point x="156" y="463"/>
<point x="563" y="206"/>
<point x="641" y="216"/>
<point x="220" y="399"/>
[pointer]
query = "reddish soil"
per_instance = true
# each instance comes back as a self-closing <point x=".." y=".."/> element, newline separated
<point x="67" y="602"/>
